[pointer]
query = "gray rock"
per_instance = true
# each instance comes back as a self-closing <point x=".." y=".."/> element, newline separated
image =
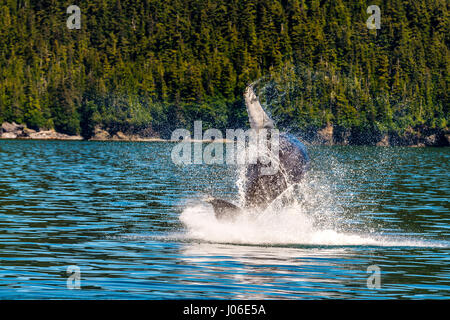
<point x="384" y="142"/>
<point x="325" y="135"/>
<point x="100" y="134"/>
<point x="12" y="128"/>
<point x="26" y="133"/>
<point x="8" y="135"/>
<point x="9" y="127"/>
<point x="431" y="140"/>
<point x="52" y="135"/>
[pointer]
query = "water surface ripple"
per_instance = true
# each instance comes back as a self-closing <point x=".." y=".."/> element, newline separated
<point x="136" y="226"/>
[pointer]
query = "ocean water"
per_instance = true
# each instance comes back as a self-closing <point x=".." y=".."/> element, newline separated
<point x="127" y="223"/>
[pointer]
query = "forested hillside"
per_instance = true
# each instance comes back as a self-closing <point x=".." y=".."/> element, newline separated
<point x="151" y="66"/>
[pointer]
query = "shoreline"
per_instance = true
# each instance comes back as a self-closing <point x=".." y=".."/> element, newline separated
<point x="307" y="143"/>
<point x="327" y="136"/>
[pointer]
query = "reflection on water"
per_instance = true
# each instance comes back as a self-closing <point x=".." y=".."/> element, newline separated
<point x="274" y="272"/>
<point x="312" y="272"/>
<point x="136" y="225"/>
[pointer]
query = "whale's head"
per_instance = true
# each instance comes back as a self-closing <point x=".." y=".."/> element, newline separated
<point x="257" y="116"/>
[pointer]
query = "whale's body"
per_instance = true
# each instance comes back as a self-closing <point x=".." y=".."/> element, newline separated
<point x="261" y="189"/>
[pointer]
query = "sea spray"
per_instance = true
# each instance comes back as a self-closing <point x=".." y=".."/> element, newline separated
<point x="288" y="227"/>
<point x="318" y="212"/>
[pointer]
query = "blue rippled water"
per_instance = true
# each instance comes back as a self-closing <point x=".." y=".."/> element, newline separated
<point x="136" y="226"/>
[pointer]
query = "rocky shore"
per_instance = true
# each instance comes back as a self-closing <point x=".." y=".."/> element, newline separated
<point x="329" y="135"/>
<point x="103" y="135"/>
<point x="19" y="131"/>
<point x="419" y="137"/>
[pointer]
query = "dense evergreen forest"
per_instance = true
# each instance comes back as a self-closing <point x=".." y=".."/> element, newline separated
<point x="154" y="65"/>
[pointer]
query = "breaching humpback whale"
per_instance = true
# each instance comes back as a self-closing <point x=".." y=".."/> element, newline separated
<point x="262" y="189"/>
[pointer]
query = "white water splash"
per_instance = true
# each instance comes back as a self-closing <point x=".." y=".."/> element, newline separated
<point x="277" y="228"/>
<point x="314" y="212"/>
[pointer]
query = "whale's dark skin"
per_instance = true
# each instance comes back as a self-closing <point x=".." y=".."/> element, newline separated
<point x="262" y="189"/>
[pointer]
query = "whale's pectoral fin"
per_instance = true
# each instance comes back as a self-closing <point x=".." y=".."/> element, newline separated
<point x="223" y="209"/>
<point x="257" y="117"/>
